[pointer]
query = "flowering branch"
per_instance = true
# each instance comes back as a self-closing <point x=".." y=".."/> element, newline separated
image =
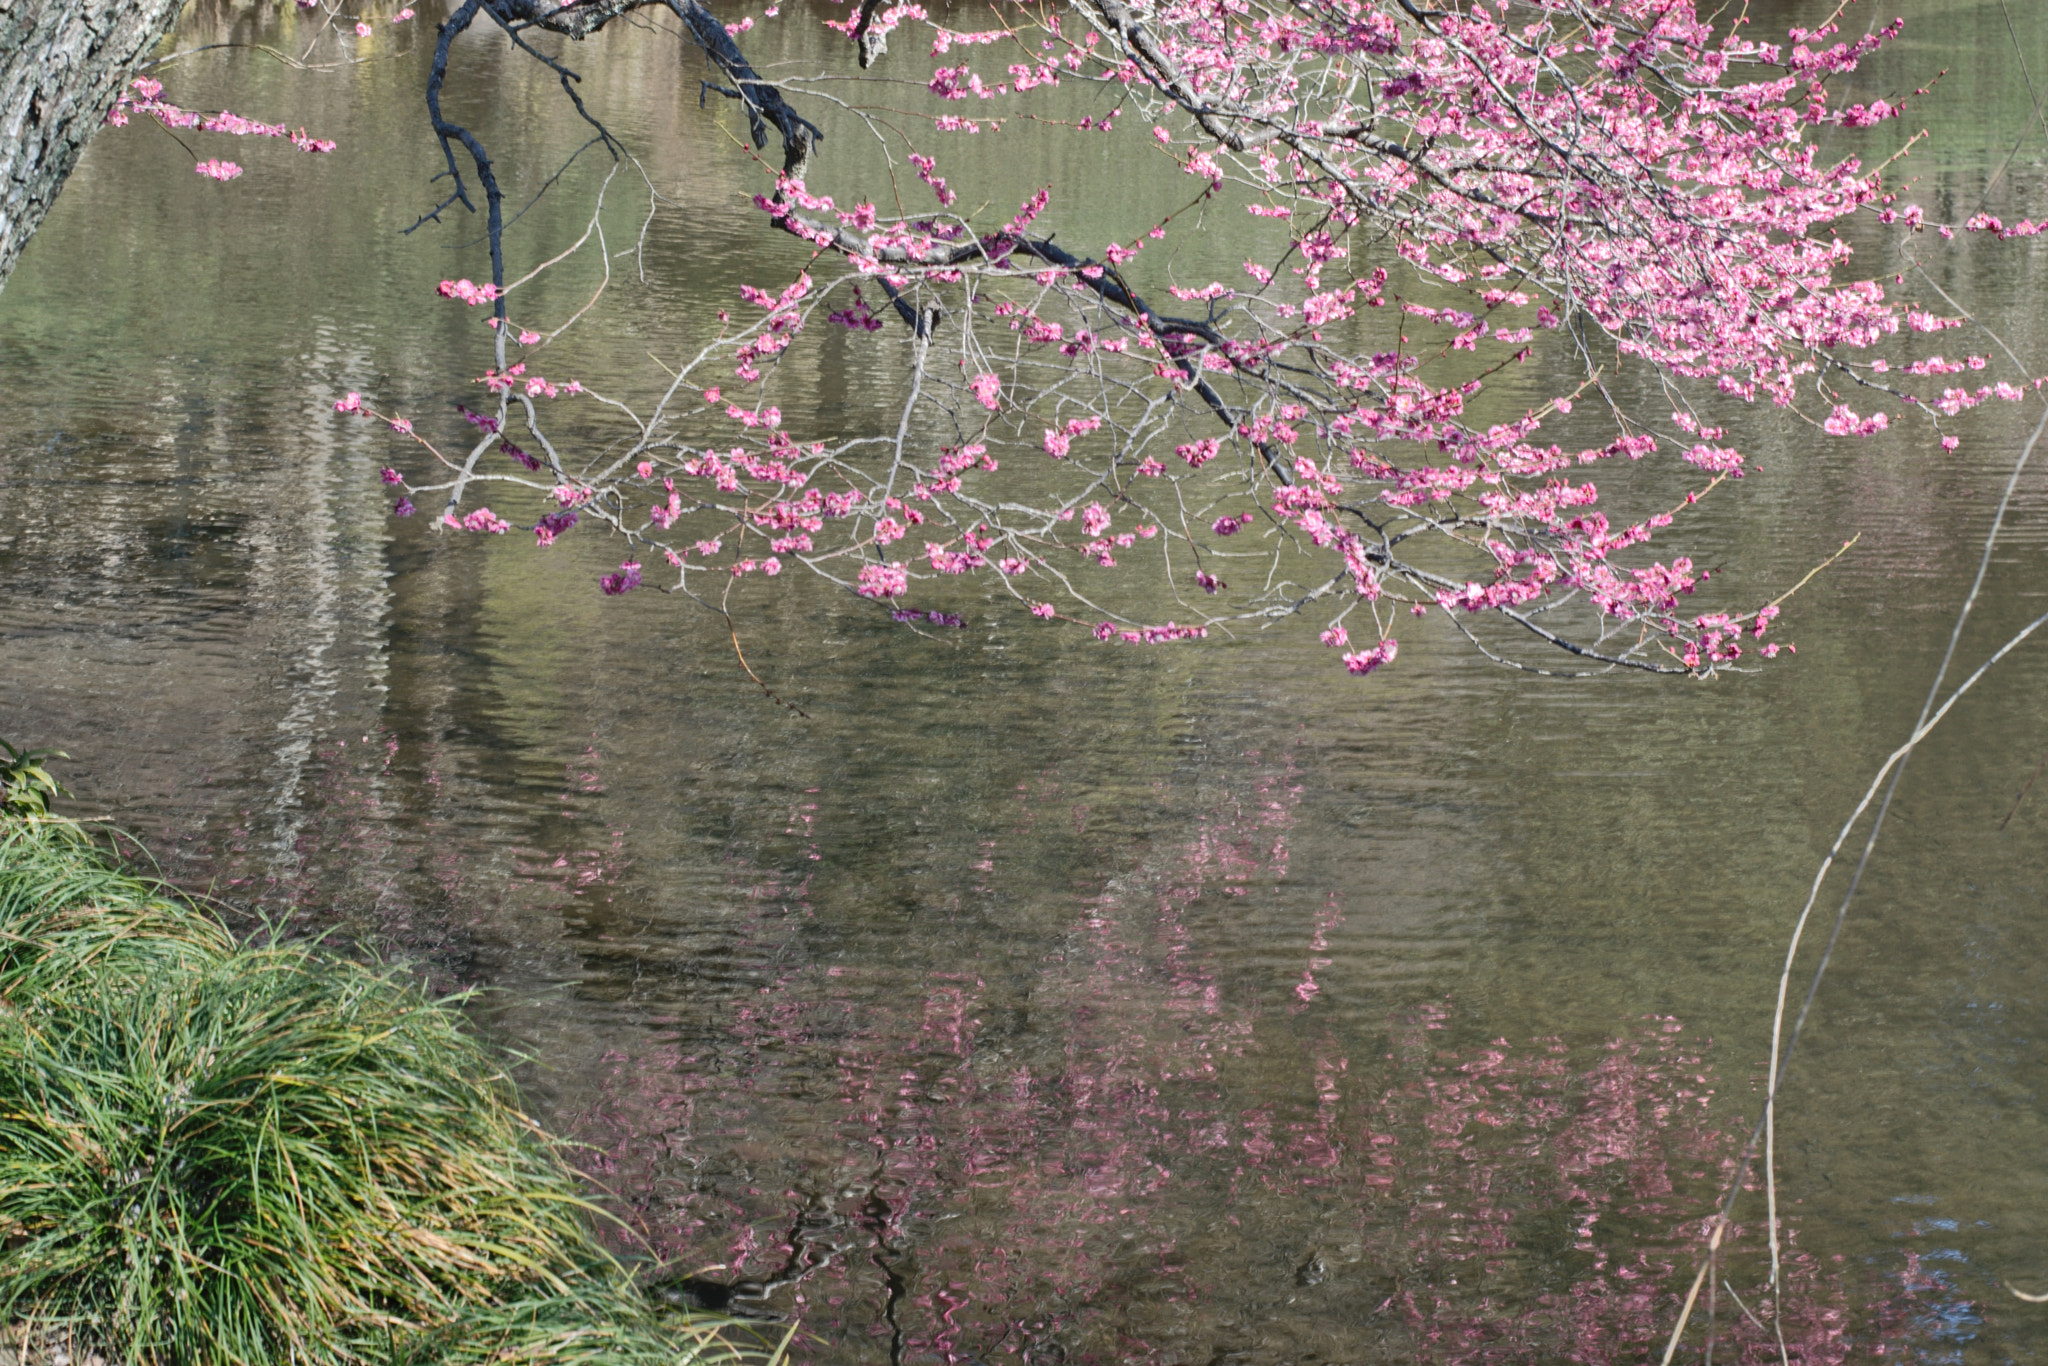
<point x="1611" y="183"/>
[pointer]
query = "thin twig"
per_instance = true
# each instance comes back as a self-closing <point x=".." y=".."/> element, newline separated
<point x="1740" y="1305"/>
<point x="742" y="657"/>
<point x="2025" y="790"/>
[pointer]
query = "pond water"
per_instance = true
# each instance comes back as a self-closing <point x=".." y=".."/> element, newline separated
<point x="1026" y="999"/>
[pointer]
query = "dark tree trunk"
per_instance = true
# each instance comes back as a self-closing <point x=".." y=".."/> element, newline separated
<point x="61" y="64"/>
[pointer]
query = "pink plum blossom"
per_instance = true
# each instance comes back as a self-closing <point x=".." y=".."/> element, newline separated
<point x="883" y="580"/>
<point x="1365" y="661"/>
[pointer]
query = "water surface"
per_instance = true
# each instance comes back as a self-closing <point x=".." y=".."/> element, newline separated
<point x="1028" y="999"/>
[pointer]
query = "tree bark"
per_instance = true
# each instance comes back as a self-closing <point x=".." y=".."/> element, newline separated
<point x="61" y="64"/>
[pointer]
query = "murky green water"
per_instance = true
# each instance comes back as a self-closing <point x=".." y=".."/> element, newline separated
<point x="1031" y="999"/>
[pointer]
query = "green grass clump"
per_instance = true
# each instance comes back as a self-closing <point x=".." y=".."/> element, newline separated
<point x="67" y="916"/>
<point x="212" y="1154"/>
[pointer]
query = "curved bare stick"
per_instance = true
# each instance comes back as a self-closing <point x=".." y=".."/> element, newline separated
<point x="1893" y="766"/>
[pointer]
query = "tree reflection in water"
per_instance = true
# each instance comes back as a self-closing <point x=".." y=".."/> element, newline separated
<point x="1083" y="1166"/>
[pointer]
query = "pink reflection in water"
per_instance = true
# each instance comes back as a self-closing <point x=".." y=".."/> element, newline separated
<point x="1134" y="1157"/>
